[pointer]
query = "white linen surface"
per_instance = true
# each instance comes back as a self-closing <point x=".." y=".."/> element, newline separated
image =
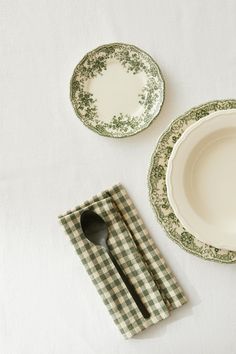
<point x="50" y="162"/>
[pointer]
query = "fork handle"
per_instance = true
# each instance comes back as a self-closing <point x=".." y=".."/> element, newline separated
<point x="130" y="287"/>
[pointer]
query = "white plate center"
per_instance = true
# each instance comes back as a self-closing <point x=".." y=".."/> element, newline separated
<point x="117" y="91"/>
<point x="210" y="179"/>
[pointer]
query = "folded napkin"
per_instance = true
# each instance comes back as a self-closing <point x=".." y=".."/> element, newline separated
<point x="136" y="253"/>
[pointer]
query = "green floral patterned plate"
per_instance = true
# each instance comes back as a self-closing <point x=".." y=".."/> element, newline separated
<point x="158" y="190"/>
<point x="117" y="90"/>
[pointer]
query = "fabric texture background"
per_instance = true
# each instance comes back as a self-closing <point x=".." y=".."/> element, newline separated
<point x="50" y="161"/>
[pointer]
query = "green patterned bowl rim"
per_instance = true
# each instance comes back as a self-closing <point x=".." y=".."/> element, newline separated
<point x="208" y="252"/>
<point x="145" y="126"/>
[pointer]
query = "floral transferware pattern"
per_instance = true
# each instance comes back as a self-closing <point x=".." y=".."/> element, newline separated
<point x="134" y="61"/>
<point x="158" y="190"/>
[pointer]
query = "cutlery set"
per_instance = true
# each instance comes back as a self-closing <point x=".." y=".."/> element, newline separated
<point x="96" y="231"/>
<point x="130" y="274"/>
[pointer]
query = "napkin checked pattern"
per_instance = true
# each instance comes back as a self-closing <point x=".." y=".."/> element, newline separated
<point x="136" y="253"/>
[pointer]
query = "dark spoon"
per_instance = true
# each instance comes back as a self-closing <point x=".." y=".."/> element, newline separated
<point x="96" y="231"/>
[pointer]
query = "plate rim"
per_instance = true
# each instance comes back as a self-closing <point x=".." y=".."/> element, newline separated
<point x="170" y="168"/>
<point x="132" y="133"/>
<point x="212" y="254"/>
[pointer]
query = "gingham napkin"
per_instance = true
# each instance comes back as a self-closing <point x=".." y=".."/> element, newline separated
<point x="136" y="253"/>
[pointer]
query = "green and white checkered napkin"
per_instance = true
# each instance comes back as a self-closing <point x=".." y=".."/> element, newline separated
<point x="138" y="256"/>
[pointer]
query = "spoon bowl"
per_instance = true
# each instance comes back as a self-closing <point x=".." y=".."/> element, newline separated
<point x="94" y="228"/>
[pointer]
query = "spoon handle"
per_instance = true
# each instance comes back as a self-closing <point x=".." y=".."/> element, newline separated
<point x="130" y="287"/>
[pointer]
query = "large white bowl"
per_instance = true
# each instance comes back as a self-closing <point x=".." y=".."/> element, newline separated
<point x="201" y="179"/>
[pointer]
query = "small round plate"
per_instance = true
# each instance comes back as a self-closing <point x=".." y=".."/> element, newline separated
<point x="117" y="90"/>
<point x="201" y="177"/>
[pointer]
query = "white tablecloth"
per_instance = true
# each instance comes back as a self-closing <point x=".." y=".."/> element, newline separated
<point x="50" y="162"/>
